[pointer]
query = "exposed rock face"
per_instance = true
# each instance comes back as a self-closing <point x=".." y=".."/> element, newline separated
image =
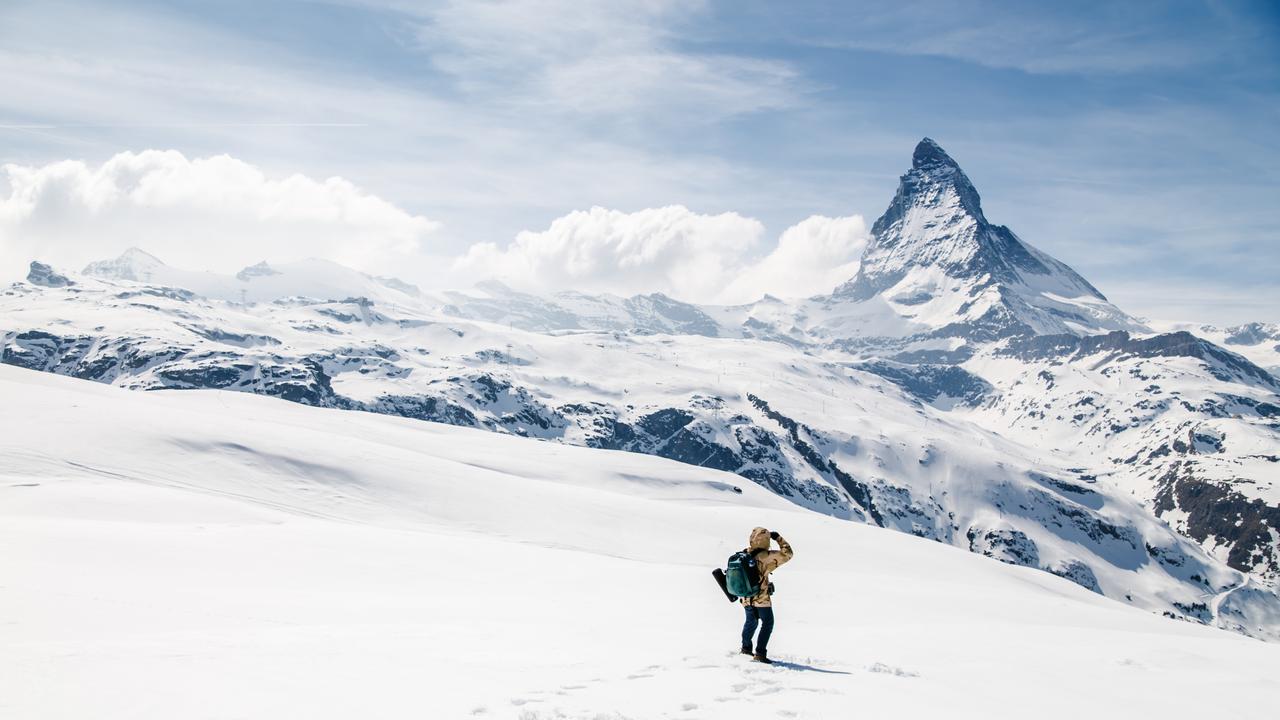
<point x="947" y="384"/>
<point x="1078" y="573"/>
<point x="1219" y="515"/>
<point x="1006" y="545"/>
<point x="45" y="276"/>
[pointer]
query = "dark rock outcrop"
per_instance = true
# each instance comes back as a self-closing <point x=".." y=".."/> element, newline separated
<point x="1217" y="511"/>
<point x="45" y="276"/>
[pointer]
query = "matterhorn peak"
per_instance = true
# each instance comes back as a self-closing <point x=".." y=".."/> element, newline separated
<point x="934" y="254"/>
<point x="929" y="154"/>
<point x="934" y="180"/>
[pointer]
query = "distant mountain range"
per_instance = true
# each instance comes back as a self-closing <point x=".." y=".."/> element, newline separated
<point x="256" y="283"/>
<point x="964" y="387"/>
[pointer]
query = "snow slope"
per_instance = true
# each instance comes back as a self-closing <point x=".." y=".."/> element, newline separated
<point x="218" y="555"/>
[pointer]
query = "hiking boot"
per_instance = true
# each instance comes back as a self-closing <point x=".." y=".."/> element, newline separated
<point x="761" y="658"/>
<point x="746" y="650"/>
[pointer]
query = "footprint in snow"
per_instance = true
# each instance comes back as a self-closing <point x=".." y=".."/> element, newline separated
<point x="891" y="670"/>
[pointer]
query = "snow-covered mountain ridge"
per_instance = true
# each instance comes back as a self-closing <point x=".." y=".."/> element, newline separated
<point x="1257" y="341"/>
<point x="992" y="415"/>
<point x="312" y="278"/>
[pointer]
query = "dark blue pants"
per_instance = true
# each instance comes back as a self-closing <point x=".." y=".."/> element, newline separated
<point x="763" y="616"/>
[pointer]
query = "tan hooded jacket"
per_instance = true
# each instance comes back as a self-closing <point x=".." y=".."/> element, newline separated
<point x="767" y="561"/>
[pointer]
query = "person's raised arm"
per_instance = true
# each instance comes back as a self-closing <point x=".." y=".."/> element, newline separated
<point x="784" y="551"/>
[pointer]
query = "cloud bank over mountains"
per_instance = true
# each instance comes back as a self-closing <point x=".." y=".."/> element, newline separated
<point x="702" y="258"/>
<point x="220" y="213"/>
<point x="211" y="213"/>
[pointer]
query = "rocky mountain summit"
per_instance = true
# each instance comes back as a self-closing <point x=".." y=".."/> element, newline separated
<point x="933" y="254"/>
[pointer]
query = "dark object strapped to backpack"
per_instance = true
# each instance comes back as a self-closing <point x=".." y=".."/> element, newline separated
<point x="740" y="577"/>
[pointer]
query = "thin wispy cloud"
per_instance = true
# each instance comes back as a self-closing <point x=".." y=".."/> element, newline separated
<point x="1082" y="38"/>
<point x="593" y="59"/>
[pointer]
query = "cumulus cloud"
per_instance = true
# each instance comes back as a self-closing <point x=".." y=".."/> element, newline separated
<point x="701" y="258"/>
<point x="214" y="213"/>
<point x="220" y="214"/>
<point x="812" y="257"/>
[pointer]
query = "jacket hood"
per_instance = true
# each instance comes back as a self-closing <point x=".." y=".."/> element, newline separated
<point x="759" y="539"/>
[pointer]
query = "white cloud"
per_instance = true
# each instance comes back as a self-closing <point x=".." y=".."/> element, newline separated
<point x="812" y="257"/>
<point x="214" y="213"/>
<point x="695" y="257"/>
<point x="220" y="214"/>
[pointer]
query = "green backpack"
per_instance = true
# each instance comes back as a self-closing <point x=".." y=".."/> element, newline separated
<point x="742" y="574"/>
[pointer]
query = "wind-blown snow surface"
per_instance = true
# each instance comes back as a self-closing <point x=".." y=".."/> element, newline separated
<point x="218" y="555"/>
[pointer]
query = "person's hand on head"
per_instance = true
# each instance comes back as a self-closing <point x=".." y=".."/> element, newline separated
<point x="774" y="534"/>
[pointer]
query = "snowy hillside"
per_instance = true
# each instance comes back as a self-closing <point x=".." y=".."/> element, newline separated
<point x="1012" y="412"/>
<point x="828" y="436"/>
<point x="218" y="555"/>
<point x="1172" y="418"/>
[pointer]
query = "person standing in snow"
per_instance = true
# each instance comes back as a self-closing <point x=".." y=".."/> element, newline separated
<point x="759" y="608"/>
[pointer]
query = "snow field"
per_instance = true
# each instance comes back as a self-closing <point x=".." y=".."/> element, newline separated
<point x="216" y="555"/>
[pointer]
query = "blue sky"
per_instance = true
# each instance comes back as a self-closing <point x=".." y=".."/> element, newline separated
<point x="1135" y="141"/>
